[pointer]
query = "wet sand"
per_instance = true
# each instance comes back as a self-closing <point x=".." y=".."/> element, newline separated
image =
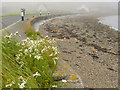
<point x="88" y="46"/>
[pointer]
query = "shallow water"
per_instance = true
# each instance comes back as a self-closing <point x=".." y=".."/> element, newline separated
<point x="111" y="21"/>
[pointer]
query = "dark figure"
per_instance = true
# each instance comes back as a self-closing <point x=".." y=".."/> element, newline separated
<point x="40" y="13"/>
<point x="22" y="18"/>
<point x="22" y="14"/>
<point x="48" y="13"/>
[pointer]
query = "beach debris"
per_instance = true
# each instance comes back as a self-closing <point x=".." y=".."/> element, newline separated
<point x="93" y="56"/>
<point x="64" y="51"/>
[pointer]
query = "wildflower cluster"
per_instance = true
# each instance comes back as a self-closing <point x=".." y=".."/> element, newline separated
<point x="30" y="63"/>
<point x="24" y="81"/>
<point x="40" y="49"/>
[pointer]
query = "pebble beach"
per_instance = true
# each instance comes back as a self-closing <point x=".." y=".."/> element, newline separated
<point x="88" y="46"/>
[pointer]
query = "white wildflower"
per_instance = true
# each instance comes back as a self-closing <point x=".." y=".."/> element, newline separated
<point x="20" y="50"/>
<point x="64" y="81"/>
<point x="55" y="86"/>
<point x="30" y="48"/>
<point x="19" y="35"/>
<point x="16" y="33"/>
<point x="18" y="55"/>
<point x="51" y="54"/>
<point x="36" y="50"/>
<point x="36" y="74"/>
<point x="54" y="48"/>
<point x="41" y="40"/>
<point x="50" y="41"/>
<point x="28" y="39"/>
<point x="37" y="57"/>
<point x="8" y="36"/>
<point x="9" y="85"/>
<point x="34" y="54"/>
<point x="30" y="55"/>
<point x="35" y="42"/>
<point x="22" y="85"/>
<point x="46" y="36"/>
<point x="31" y="41"/>
<point x="26" y="51"/>
<point x="8" y="41"/>
<point x="11" y="34"/>
<point x="34" y="45"/>
<point x="22" y="63"/>
<point x="54" y="62"/>
<point x="21" y="78"/>
<point x="18" y="44"/>
<point x="25" y="40"/>
<point x="23" y="44"/>
<point x="42" y="51"/>
<point x="17" y="58"/>
<point x="48" y="47"/>
<point x="56" y="58"/>
<point x="21" y="54"/>
<point x="56" y="52"/>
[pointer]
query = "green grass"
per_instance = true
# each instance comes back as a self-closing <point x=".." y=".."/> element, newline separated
<point x="32" y="34"/>
<point x="29" y="31"/>
<point x="0" y="61"/>
<point x="20" y="62"/>
<point x="10" y="15"/>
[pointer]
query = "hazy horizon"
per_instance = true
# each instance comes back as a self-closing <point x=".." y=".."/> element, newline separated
<point x="75" y="7"/>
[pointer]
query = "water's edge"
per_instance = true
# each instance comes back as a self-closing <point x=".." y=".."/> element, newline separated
<point x="107" y="21"/>
<point x="37" y="24"/>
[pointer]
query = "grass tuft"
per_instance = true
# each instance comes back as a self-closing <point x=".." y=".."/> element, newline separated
<point x="29" y="31"/>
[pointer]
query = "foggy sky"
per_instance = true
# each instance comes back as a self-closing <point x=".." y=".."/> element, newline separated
<point x="75" y="7"/>
<point x="60" y="0"/>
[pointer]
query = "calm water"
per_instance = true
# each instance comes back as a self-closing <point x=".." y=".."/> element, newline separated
<point x="111" y="21"/>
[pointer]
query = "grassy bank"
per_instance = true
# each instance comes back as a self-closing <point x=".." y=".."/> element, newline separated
<point x="29" y="31"/>
<point x="10" y="15"/>
<point x="29" y="64"/>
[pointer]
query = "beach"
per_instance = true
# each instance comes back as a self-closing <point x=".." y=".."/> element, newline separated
<point x="88" y="46"/>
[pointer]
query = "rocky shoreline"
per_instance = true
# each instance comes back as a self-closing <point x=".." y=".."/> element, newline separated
<point x="88" y="46"/>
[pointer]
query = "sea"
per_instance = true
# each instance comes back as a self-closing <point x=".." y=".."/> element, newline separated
<point x="111" y="21"/>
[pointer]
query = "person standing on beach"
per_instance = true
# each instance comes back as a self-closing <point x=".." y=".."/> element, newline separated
<point x="48" y="13"/>
<point x="40" y="13"/>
